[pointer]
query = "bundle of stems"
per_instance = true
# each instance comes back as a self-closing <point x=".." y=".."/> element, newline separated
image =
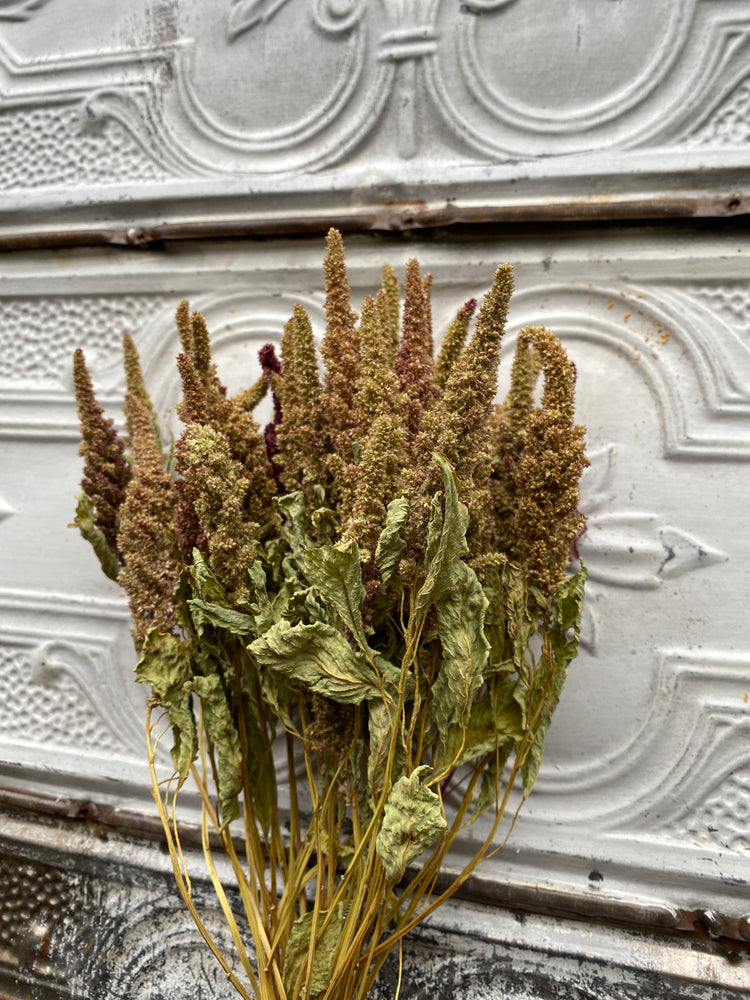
<point x="345" y="615"/>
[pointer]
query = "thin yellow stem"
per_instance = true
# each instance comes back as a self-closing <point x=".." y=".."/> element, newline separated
<point x="225" y="907"/>
<point x="265" y="958"/>
<point x="400" y="968"/>
<point x="182" y="885"/>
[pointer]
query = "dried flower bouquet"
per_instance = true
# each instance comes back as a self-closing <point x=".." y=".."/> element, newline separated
<point x="377" y="583"/>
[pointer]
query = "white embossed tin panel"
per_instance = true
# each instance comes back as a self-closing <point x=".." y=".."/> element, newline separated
<point x="645" y="793"/>
<point x="387" y="113"/>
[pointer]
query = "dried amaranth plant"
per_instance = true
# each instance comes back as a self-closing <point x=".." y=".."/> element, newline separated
<point x="377" y="583"/>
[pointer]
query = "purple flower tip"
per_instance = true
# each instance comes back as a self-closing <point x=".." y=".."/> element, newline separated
<point x="270" y="363"/>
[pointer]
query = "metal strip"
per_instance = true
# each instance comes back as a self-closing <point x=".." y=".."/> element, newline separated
<point x="392" y="218"/>
<point x="631" y="913"/>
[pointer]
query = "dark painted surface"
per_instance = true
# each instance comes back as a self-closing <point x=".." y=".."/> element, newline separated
<point x="92" y="915"/>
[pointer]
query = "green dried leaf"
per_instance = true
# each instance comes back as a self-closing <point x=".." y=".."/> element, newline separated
<point x="179" y="705"/>
<point x="390" y="544"/>
<point x="165" y="664"/>
<point x="298" y="948"/>
<point x="292" y="509"/>
<point x="495" y="622"/>
<point x="494" y="721"/>
<point x="460" y="617"/>
<point x="272" y="551"/>
<point x="204" y="582"/>
<point x="205" y="612"/>
<point x="210" y="658"/>
<point x="542" y="693"/>
<point x="183" y="592"/>
<point x="380" y="728"/>
<point x="520" y="622"/>
<point x="276" y="698"/>
<point x="446" y="539"/>
<point x="412" y="821"/>
<point x="318" y="657"/>
<point x="492" y="785"/>
<point x="335" y="571"/>
<point x="567" y="611"/>
<point x="303" y="605"/>
<point x="506" y="715"/>
<point x="85" y="523"/>
<point x="494" y="669"/>
<point x="521" y="697"/>
<point x="324" y="522"/>
<point x="264" y="617"/>
<point x="222" y="734"/>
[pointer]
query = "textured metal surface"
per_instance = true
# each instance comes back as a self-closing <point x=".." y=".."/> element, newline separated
<point x="381" y="113"/>
<point x="92" y="917"/>
<point x="640" y="813"/>
<point x="146" y="129"/>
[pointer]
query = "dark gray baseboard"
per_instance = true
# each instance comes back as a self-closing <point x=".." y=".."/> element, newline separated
<point x="91" y="913"/>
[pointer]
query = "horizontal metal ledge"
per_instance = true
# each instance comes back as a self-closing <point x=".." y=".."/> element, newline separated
<point x="507" y="894"/>
<point x="628" y="912"/>
<point x="391" y="217"/>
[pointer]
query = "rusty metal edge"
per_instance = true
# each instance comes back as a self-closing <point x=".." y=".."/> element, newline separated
<point x="701" y="924"/>
<point x="633" y="914"/>
<point x="393" y="217"/>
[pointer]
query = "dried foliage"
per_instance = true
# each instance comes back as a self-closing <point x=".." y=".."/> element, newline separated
<point x="378" y="582"/>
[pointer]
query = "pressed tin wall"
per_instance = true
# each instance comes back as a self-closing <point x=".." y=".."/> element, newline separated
<point x="158" y="150"/>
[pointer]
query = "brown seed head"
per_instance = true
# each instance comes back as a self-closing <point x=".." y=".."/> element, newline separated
<point x="220" y="502"/>
<point x="147" y="529"/>
<point x="413" y="364"/>
<point x="105" y="473"/>
<point x="548" y="522"/>
<point x="340" y="350"/>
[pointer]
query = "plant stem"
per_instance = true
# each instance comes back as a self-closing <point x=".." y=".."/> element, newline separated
<point x="183" y="885"/>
